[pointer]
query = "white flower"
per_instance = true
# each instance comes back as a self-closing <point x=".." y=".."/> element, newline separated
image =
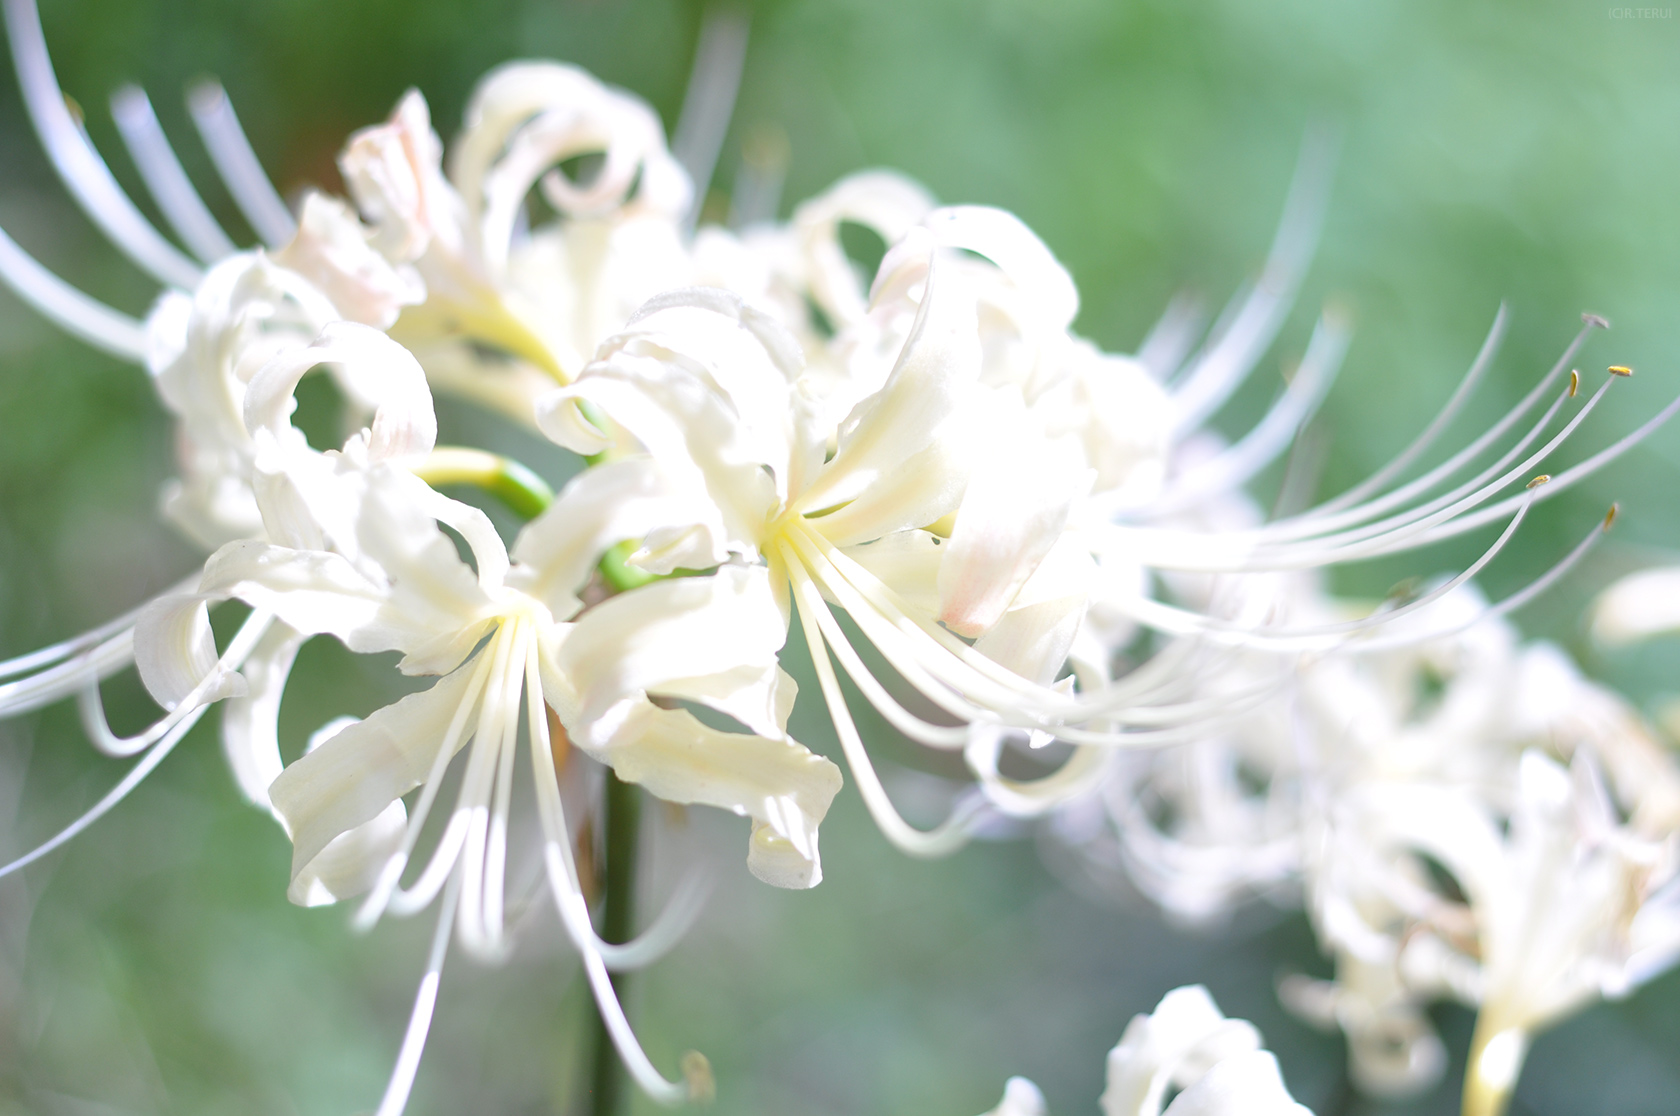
<point x="355" y="550"/>
<point x="1216" y="1065"/>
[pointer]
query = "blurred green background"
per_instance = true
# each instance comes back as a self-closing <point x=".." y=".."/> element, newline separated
<point x="1520" y="151"/>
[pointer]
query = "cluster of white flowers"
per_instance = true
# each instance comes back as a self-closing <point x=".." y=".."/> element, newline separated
<point x="1464" y="815"/>
<point x="1034" y="535"/>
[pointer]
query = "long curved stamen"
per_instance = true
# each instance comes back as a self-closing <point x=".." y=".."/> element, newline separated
<point x="574" y="912"/>
<point x="238" y="165"/>
<point x="1023" y="797"/>
<point x="1274" y="432"/>
<point x="238" y="648"/>
<point x="164" y="176"/>
<point x="944" y="839"/>
<point x="944" y="737"/>
<point x="1437" y="425"/>
<point x="77" y="314"/>
<point x="1363" y="517"/>
<point x="405" y="901"/>
<point x="1217" y="371"/>
<point x="86" y="641"/>
<point x="1565" y="479"/>
<point x="1169" y="339"/>
<point x="79" y="166"/>
<point x="1443" y="517"/>
<point x="1021" y="704"/>
<point x="948" y="671"/>
<point x="1316" y="520"/>
<point x="63" y="679"/>
<point x="420" y="1018"/>
<point x="1450" y="505"/>
<point x="710" y="99"/>
<point x="383" y="890"/>
<point x="1500" y="608"/>
<point x="480" y="898"/>
<point x="1179" y="621"/>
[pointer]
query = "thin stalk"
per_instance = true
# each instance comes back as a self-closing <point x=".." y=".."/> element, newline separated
<point x="618" y="923"/>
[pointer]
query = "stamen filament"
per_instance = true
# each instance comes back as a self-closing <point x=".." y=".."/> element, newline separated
<point x="79" y="165"/>
<point x="238" y="165"/>
<point x="420" y="1018"/>
<point x="945" y="838"/>
<point x="186" y="714"/>
<point x="165" y="178"/>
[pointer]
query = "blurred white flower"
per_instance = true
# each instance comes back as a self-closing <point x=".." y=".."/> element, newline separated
<point x="1214" y="1064"/>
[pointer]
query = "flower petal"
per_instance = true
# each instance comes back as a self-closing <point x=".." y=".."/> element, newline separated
<point x="355" y="776"/>
<point x="780" y="784"/>
<point x="712" y="639"/>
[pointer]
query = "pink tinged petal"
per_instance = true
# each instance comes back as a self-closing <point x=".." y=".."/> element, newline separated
<point x="782" y="786"/>
<point x="175" y="652"/>
<point x="1034" y="640"/>
<point x="354" y="777"/>
<point x="1015" y="510"/>
<point x="908" y="563"/>
<point x="1640" y="605"/>
<point x="713" y="638"/>
<point x="394" y="171"/>
<point x="331" y="250"/>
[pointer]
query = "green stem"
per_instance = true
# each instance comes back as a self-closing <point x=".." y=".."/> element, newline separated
<point x="618" y="918"/>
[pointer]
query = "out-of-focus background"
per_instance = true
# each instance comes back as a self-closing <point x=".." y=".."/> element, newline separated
<point x="1527" y="152"/>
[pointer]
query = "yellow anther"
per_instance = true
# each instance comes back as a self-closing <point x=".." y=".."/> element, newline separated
<point x="1574" y="382"/>
<point x="1620" y="370"/>
<point x="1610" y="516"/>
<point x="697" y="1073"/>
<point x="1539" y="480"/>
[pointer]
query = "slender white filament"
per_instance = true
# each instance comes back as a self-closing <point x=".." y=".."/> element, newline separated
<point x="420" y="1019"/>
<point x="83" y="172"/>
<point x="193" y="705"/>
<point x="165" y="178"/>
<point x="77" y="314"/>
<point x="1170" y="338"/>
<point x="574" y="912"/>
<point x="1261" y="445"/>
<point x="76" y="645"/>
<point x="710" y="99"/>
<point x="1214" y="374"/>
<point x="63" y="679"/>
<point x="238" y="165"/>
<point x="1566" y="479"/>
<point x="945" y="838"/>
<point x="1466" y="386"/>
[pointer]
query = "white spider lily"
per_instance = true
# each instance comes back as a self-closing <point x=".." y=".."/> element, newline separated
<point x="1216" y="1065"/>
<point x="707" y="398"/>
<point x="545" y="295"/>
<point x="355" y="551"/>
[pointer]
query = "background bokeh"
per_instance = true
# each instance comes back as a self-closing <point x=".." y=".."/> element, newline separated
<point x="1527" y="152"/>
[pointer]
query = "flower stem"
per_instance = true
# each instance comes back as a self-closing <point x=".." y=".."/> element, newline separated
<point x="1490" y="1075"/>
<point x="618" y="917"/>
